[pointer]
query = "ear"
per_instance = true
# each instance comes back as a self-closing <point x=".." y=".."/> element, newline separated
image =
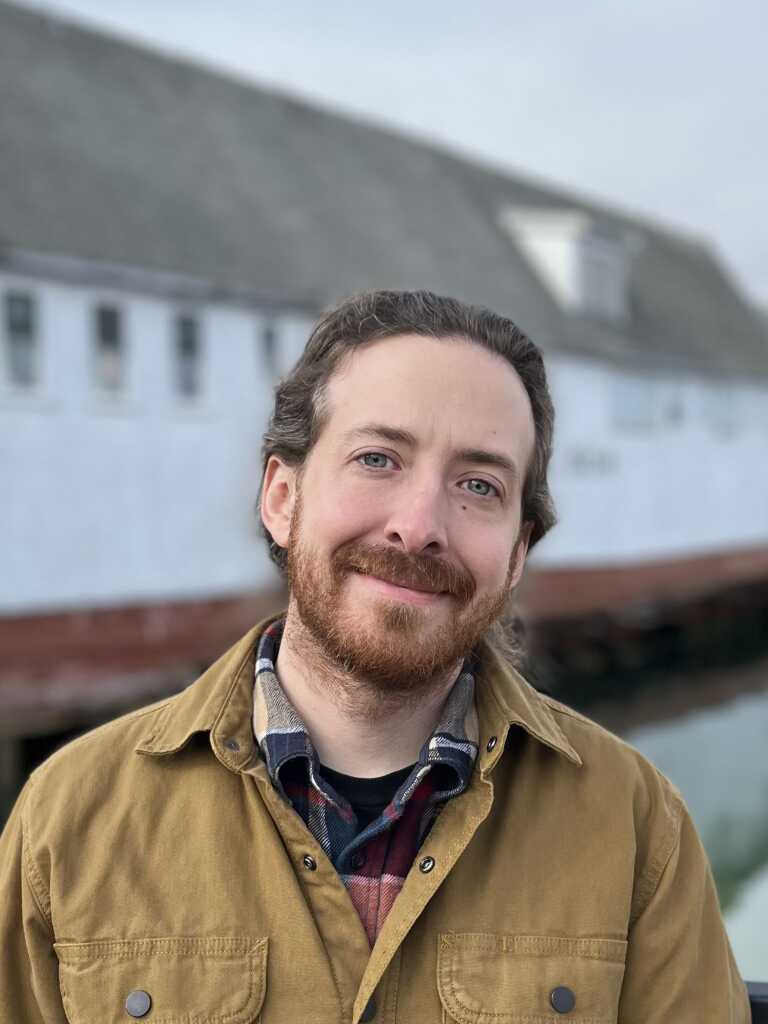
<point x="519" y="553"/>
<point x="278" y="494"/>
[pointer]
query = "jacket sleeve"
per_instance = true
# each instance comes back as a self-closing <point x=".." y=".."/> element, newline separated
<point x="29" y="981"/>
<point x="680" y="966"/>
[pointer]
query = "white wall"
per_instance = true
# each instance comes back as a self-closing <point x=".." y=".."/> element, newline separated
<point x="143" y="495"/>
<point x="682" y="482"/>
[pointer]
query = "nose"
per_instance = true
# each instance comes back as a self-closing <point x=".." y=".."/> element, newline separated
<point x="417" y="523"/>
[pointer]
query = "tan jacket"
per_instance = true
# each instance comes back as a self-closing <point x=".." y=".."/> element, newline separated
<point x="151" y="863"/>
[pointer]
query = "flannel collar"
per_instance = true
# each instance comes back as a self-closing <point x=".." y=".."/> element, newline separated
<point x="283" y="738"/>
<point x="220" y="704"/>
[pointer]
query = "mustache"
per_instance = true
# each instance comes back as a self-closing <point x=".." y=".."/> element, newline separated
<point x="419" y="572"/>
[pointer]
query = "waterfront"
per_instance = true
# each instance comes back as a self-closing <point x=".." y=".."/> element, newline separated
<point x="717" y="757"/>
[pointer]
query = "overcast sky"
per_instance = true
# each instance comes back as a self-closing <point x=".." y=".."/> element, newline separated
<point x="659" y="106"/>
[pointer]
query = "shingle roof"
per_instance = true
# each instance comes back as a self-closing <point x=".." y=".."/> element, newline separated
<point x="115" y="153"/>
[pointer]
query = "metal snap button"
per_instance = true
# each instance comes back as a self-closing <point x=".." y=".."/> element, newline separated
<point x="138" y="1003"/>
<point x="491" y="743"/>
<point x="231" y="744"/>
<point x="426" y="864"/>
<point x="562" y="999"/>
<point x="369" y="1012"/>
<point x="309" y="862"/>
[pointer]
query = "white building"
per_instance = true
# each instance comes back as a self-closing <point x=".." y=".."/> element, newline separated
<point x="167" y="235"/>
<point x="132" y="426"/>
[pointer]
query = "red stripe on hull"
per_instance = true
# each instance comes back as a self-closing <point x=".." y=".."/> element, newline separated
<point x="575" y="591"/>
<point x="54" y="666"/>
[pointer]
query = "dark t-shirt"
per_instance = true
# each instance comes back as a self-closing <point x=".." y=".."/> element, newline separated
<point x="368" y="797"/>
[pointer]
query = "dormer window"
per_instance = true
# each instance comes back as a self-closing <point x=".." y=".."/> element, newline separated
<point x="583" y="264"/>
<point x="604" y="269"/>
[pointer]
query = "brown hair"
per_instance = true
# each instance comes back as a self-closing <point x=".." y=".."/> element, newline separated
<point x="300" y="410"/>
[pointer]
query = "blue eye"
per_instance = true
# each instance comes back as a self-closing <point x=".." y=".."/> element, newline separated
<point x="481" y="488"/>
<point x="374" y="460"/>
<point x="378" y="460"/>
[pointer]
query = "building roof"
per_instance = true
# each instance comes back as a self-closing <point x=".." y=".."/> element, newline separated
<point x="116" y="154"/>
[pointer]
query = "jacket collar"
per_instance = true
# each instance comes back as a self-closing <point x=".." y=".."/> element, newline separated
<point x="220" y="703"/>
<point x="504" y="699"/>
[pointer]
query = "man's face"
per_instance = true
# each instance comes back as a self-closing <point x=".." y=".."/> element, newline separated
<point x="406" y="536"/>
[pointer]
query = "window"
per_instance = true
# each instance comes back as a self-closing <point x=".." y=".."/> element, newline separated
<point x="110" y="349"/>
<point x="188" y="356"/>
<point x="674" y="405"/>
<point x="584" y="261"/>
<point x="635" y="401"/>
<point x="721" y="408"/>
<point x="269" y="346"/>
<point x="604" y="274"/>
<point x="588" y="461"/>
<point x="21" y="339"/>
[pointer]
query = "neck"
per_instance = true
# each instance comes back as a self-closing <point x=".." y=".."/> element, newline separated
<point x="355" y="728"/>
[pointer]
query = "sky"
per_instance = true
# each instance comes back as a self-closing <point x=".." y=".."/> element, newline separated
<point x="659" y="107"/>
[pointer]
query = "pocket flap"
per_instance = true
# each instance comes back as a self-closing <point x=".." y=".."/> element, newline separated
<point x="510" y="979"/>
<point x="170" y="980"/>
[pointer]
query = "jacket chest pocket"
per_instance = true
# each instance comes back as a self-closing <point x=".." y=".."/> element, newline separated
<point x="529" y="979"/>
<point x="163" y="980"/>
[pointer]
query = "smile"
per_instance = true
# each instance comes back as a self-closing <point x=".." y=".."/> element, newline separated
<point x="394" y="591"/>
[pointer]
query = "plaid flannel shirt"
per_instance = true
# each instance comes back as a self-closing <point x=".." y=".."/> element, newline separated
<point x="372" y="861"/>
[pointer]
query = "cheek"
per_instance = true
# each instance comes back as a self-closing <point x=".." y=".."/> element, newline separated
<point x="487" y="557"/>
<point x="345" y="514"/>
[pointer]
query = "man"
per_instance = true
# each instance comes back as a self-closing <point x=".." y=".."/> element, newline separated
<point x="362" y="812"/>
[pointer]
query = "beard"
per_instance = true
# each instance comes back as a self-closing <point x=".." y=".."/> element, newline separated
<point x="393" y="647"/>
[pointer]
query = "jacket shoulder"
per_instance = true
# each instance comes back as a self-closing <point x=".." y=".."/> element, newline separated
<point x="79" y="776"/>
<point x="635" y="792"/>
<point x="603" y="749"/>
<point x="102" y="745"/>
<point x="590" y="737"/>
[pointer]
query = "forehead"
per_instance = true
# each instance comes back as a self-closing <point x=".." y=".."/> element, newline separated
<point x="443" y="391"/>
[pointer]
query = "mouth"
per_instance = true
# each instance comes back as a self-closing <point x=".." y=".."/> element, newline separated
<point x="404" y="585"/>
<point x="406" y="591"/>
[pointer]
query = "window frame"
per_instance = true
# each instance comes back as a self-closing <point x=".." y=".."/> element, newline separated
<point x="722" y="408"/>
<point x="118" y="387"/>
<point x="628" y="393"/>
<point x="269" y="345"/>
<point x="25" y="383"/>
<point x="181" y="319"/>
<point x="603" y="277"/>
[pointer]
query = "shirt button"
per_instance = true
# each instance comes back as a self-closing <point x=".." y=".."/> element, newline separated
<point x="138" y="1003"/>
<point x="426" y="865"/>
<point x="309" y="862"/>
<point x="562" y="999"/>
<point x="369" y="1012"/>
<point x="357" y="860"/>
<point x="491" y="743"/>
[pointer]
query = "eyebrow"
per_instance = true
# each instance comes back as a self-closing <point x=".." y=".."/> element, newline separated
<point x="481" y="456"/>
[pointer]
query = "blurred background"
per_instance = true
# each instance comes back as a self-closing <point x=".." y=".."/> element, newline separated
<point x="183" y="187"/>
